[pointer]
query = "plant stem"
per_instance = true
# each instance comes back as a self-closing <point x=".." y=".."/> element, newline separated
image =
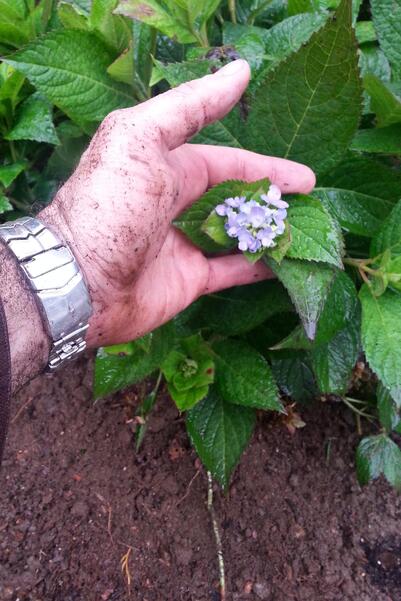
<point x="232" y="9"/>
<point x="217" y="537"/>
<point x="350" y="404"/>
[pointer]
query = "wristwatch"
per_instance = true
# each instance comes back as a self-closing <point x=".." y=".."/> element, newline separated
<point x="57" y="283"/>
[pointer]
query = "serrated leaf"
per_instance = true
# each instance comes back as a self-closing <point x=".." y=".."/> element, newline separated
<point x="315" y="236"/>
<point x="389" y="235"/>
<point x="310" y="104"/>
<point x="382" y="140"/>
<point x="294" y="375"/>
<point x="378" y="455"/>
<point x="8" y="173"/>
<point x="357" y="213"/>
<point x="387" y="21"/>
<point x="334" y="361"/>
<point x="5" y="204"/>
<point x="69" y="68"/>
<point x="384" y="102"/>
<point x="238" y="310"/>
<point x="243" y="376"/>
<point x="279" y="41"/>
<point x="381" y="333"/>
<point x="34" y="121"/>
<point x="340" y="308"/>
<point x="366" y="176"/>
<point x="308" y="285"/>
<point x="389" y="414"/>
<point x="220" y="431"/>
<point x="372" y="60"/>
<point x="114" y="373"/>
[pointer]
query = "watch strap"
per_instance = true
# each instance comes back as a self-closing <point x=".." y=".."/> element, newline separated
<point x="57" y="283"/>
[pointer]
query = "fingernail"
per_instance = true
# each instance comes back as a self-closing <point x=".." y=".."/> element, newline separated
<point x="232" y="68"/>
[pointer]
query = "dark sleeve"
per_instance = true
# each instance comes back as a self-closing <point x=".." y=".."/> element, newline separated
<point x="5" y="379"/>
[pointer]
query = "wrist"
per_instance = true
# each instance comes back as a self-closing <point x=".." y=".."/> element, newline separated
<point x="29" y="341"/>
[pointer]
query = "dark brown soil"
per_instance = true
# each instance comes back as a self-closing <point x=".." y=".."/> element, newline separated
<point x="75" y="498"/>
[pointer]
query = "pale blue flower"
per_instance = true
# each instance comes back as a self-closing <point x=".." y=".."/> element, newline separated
<point x="255" y="225"/>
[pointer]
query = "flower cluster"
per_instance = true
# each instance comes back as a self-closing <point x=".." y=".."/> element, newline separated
<point x="255" y="224"/>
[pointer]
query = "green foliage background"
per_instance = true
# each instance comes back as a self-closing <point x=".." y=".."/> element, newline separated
<point x="326" y="91"/>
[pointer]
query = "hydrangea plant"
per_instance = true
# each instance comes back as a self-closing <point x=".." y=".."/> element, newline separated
<point x="325" y="91"/>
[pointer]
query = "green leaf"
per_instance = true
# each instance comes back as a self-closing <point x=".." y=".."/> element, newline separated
<point x="340" y="308"/>
<point x="377" y="455"/>
<point x="334" y="361"/>
<point x="114" y="29"/>
<point x="177" y="73"/>
<point x="243" y="376"/>
<point x="5" y="204"/>
<point x="294" y="375"/>
<point x="357" y="213"/>
<point x="34" y="121"/>
<point x="279" y="41"/>
<point x="114" y="373"/>
<point x="389" y="235"/>
<point x="381" y="332"/>
<point x="123" y="67"/>
<point x="220" y="431"/>
<point x="366" y="176"/>
<point x="387" y="21"/>
<point x="72" y="17"/>
<point x="213" y="226"/>
<point x="8" y="173"/>
<point x="384" y="102"/>
<point x="383" y="140"/>
<point x="16" y="26"/>
<point x="389" y="414"/>
<point x="315" y="236"/>
<point x="69" y="67"/>
<point x="144" y="48"/>
<point x="169" y="20"/>
<point x="365" y="32"/>
<point x="308" y="285"/>
<point x="241" y="309"/>
<point x="310" y="104"/>
<point x="186" y="399"/>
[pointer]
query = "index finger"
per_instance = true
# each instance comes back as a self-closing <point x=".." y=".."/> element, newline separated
<point x="202" y="166"/>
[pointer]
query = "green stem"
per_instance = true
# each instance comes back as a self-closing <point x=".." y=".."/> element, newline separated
<point x="13" y="152"/>
<point x="232" y="9"/>
<point x="350" y="404"/>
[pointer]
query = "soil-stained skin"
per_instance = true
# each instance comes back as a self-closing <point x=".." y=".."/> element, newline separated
<point x="75" y="497"/>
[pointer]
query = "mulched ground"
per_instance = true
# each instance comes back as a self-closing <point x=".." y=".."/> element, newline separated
<point x="75" y="499"/>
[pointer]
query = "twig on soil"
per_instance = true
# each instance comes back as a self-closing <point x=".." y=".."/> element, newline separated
<point x="217" y="537"/>
<point x="21" y="409"/>
<point x="188" y="488"/>
<point x="125" y="569"/>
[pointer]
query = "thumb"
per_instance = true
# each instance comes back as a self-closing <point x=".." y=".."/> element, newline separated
<point x="181" y="112"/>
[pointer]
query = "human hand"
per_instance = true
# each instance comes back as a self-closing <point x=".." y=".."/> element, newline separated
<point x="137" y="175"/>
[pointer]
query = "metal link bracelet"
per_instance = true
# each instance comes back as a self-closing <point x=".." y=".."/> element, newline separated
<point x="57" y="282"/>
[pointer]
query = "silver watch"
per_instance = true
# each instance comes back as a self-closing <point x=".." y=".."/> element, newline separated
<point x="57" y="282"/>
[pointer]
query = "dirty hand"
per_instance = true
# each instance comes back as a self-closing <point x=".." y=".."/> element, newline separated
<point x="137" y="175"/>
